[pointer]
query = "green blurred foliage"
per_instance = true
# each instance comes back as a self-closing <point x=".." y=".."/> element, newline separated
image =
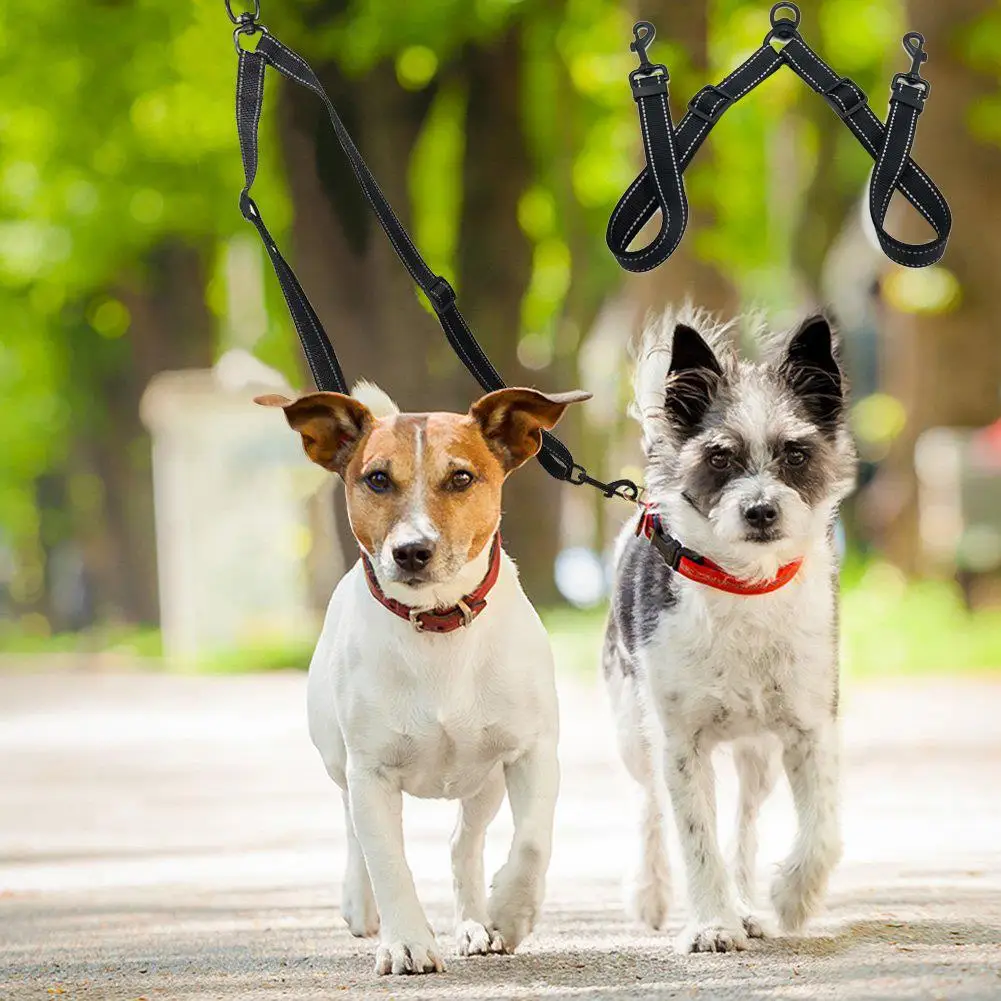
<point x="116" y="132"/>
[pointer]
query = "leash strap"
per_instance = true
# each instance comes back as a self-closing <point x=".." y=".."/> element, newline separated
<point x="669" y="150"/>
<point x="554" y="456"/>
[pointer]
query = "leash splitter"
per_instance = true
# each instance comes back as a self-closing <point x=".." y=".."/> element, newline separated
<point x="660" y="187"/>
<point x="554" y="456"/>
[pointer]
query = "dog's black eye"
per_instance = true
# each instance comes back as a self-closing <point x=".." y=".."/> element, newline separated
<point x="378" y="482"/>
<point x="460" y="480"/>
<point x="796" y="456"/>
<point x="719" y="460"/>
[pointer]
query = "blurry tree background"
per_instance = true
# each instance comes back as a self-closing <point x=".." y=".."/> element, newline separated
<point x="503" y="132"/>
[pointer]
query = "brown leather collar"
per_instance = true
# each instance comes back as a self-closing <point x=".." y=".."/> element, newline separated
<point x="448" y="619"/>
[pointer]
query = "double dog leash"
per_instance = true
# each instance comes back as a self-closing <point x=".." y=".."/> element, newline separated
<point x="669" y="150"/>
<point x="660" y="186"/>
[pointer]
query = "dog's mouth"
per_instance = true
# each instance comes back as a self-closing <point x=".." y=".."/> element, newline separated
<point x="763" y="536"/>
<point x="410" y="578"/>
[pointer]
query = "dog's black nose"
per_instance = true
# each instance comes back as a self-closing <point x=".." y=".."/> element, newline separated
<point x="413" y="556"/>
<point x="762" y="515"/>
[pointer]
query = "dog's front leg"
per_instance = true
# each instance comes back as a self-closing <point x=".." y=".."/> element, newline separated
<point x="811" y="763"/>
<point x="407" y="943"/>
<point x="473" y="934"/>
<point x="714" y="924"/>
<point x="520" y="884"/>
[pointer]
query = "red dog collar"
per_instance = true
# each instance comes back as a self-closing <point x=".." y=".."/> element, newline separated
<point x="449" y="619"/>
<point x="700" y="568"/>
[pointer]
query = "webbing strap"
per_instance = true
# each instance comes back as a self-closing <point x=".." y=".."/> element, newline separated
<point x="554" y="456"/>
<point x="669" y="150"/>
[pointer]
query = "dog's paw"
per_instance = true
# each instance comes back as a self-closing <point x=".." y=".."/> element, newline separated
<point x="473" y="939"/>
<point x="649" y="903"/>
<point x="403" y="957"/>
<point x="360" y="915"/>
<point x="513" y="924"/>
<point x="756" y="926"/>
<point x="514" y="905"/>
<point x="711" y="936"/>
<point x="797" y="892"/>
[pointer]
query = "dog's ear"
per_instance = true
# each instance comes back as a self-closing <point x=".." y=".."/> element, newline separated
<point x="811" y="370"/>
<point x="512" y="420"/>
<point x="331" y="425"/>
<point x="692" y="380"/>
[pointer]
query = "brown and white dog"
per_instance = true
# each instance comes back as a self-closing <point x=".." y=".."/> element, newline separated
<point x="433" y="674"/>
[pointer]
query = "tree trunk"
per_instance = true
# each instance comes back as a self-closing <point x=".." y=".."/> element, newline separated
<point x="495" y="260"/>
<point x="347" y="266"/>
<point x="361" y="291"/>
<point x="826" y="204"/>
<point x="946" y="367"/>
<point x="109" y="463"/>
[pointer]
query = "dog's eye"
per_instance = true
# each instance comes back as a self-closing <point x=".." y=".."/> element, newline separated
<point x="378" y="482"/>
<point x="796" y="456"/>
<point x="460" y="480"/>
<point x="719" y="460"/>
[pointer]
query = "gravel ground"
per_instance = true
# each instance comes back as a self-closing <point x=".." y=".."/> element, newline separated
<point x="176" y="838"/>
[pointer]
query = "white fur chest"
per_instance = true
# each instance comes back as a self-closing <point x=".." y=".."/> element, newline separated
<point x="433" y="713"/>
<point x="729" y="665"/>
<point x="447" y="734"/>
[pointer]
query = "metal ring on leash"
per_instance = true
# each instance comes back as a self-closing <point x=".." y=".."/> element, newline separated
<point x="789" y="24"/>
<point x="783" y="28"/>
<point x="247" y="28"/>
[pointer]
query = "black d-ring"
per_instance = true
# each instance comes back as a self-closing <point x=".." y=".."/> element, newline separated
<point x="246" y="15"/>
<point x="785" y="27"/>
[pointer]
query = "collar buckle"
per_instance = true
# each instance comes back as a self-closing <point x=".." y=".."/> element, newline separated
<point x="467" y="612"/>
<point x="415" y="620"/>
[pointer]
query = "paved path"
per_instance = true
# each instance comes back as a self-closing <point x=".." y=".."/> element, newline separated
<point x="176" y="838"/>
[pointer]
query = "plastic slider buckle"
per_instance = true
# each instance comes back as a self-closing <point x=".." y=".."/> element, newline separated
<point x="649" y="81"/>
<point x="441" y="295"/>
<point x="720" y="104"/>
<point x="911" y="92"/>
<point x="838" y="107"/>
<point x="671" y="549"/>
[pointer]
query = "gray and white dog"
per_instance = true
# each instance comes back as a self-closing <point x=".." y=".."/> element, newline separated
<point x="747" y="464"/>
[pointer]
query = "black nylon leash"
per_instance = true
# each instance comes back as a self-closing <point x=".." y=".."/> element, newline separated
<point x="554" y="456"/>
<point x="660" y="186"/>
